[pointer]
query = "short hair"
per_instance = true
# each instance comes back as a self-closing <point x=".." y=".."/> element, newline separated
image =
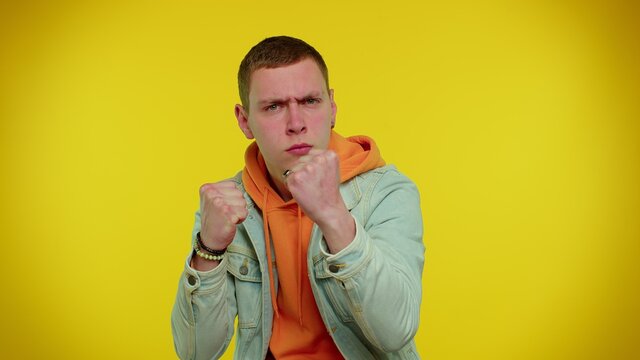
<point x="274" y="52"/>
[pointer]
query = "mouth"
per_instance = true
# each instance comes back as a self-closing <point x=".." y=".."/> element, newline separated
<point x="299" y="149"/>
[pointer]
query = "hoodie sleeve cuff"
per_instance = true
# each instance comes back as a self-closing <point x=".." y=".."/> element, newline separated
<point x="351" y="259"/>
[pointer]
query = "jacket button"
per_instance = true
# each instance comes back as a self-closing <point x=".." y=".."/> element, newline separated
<point x="192" y="280"/>
<point x="334" y="268"/>
<point x="244" y="270"/>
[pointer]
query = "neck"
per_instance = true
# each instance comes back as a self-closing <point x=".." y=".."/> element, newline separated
<point x="279" y="187"/>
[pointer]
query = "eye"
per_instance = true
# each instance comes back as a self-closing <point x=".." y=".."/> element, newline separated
<point x="272" y="107"/>
<point x="311" y="101"/>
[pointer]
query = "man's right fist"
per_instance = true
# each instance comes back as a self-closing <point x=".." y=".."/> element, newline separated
<point x="222" y="207"/>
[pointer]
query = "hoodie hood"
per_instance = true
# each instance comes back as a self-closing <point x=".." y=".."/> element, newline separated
<point x="357" y="154"/>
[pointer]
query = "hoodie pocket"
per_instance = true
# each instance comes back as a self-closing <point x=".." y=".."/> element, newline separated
<point x="248" y="283"/>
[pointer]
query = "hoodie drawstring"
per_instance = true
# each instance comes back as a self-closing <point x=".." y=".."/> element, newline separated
<point x="267" y="238"/>
<point x="302" y="263"/>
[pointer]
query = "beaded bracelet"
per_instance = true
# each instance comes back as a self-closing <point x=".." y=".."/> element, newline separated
<point x="207" y="249"/>
<point x="204" y="255"/>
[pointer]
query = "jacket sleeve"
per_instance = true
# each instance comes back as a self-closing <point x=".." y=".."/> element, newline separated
<point x="380" y="273"/>
<point x="204" y="310"/>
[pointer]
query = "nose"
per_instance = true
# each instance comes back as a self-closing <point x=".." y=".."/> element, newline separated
<point x="295" y="120"/>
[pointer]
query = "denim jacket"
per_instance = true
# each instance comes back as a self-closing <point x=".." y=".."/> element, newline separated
<point x="368" y="294"/>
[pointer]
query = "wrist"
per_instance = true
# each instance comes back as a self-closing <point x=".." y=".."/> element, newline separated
<point x="333" y="218"/>
<point x="210" y="244"/>
<point x="201" y="264"/>
<point x="205" y="252"/>
<point x="339" y="232"/>
<point x="215" y="250"/>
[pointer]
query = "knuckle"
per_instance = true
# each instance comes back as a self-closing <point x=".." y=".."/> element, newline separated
<point x="226" y="184"/>
<point x="236" y="192"/>
<point x="203" y="188"/>
<point x="217" y="200"/>
<point x="295" y="177"/>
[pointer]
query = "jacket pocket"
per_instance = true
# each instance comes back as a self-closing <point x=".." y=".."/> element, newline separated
<point x="245" y="269"/>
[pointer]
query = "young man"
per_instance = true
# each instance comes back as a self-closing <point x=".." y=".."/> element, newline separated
<point x="316" y="246"/>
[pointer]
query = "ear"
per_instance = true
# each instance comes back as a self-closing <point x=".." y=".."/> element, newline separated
<point x="243" y="121"/>
<point x="334" y="109"/>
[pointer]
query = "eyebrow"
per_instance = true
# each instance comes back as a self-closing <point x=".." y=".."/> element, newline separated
<point x="311" y="95"/>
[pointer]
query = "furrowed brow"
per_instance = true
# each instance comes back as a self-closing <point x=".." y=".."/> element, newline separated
<point x="311" y="95"/>
<point x="271" y="101"/>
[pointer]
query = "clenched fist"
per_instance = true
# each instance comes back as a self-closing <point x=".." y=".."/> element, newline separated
<point x="314" y="182"/>
<point x="222" y="207"/>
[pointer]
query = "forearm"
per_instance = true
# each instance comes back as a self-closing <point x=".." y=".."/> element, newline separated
<point x="200" y="317"/>
<point x="339" y="231"/>
<point x="380" y="281"/>
<point x="379" y="275"/>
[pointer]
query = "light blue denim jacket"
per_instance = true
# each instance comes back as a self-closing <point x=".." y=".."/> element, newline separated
<point x="368" y="294"/>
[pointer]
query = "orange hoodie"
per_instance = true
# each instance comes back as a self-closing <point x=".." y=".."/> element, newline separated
<point x="290" y="229"/>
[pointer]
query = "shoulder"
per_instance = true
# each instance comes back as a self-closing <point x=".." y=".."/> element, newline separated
<point x="380" y="177"/>
<point x="375" y="185"/>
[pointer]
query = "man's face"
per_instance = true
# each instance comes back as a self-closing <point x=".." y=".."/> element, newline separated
<point x="290" y="112"/>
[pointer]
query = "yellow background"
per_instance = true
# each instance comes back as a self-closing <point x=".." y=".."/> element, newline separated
<point x="519" y="123"/>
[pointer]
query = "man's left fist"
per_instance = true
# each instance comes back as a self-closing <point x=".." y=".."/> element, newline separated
<point x="313" y="182"/>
